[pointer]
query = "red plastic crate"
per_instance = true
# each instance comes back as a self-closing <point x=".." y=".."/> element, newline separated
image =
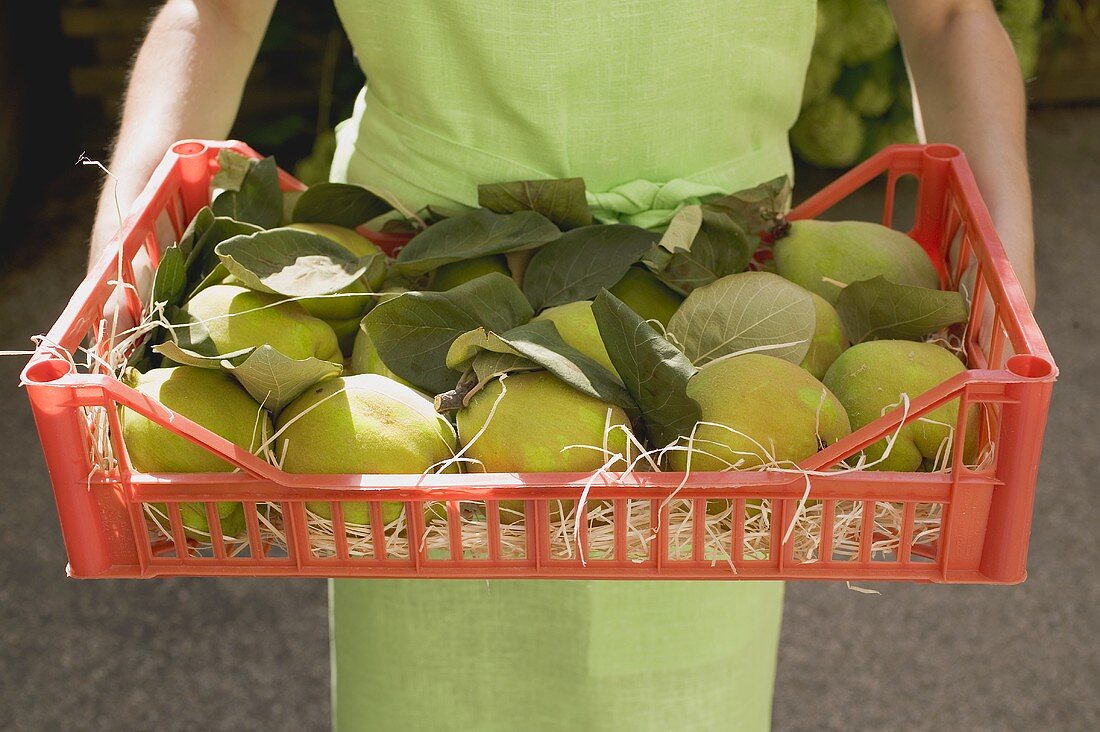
<point x="964" y="525"/>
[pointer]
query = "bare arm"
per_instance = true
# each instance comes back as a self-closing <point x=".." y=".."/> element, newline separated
<point x="971" y="94"/>
<point x="187" y="81"/>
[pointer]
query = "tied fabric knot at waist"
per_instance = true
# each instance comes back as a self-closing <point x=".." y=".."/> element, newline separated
<point x="647" y="204"/>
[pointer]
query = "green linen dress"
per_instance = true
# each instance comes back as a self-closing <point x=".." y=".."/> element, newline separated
<point x="654" y="103"/>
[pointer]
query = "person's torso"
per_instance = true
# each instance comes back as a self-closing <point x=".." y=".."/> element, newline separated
<point x="462" y="92"/>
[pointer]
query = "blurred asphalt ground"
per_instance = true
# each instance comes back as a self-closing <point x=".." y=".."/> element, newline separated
<point x="186" y="654"/>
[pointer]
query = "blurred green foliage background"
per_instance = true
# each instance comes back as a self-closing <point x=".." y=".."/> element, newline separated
<point x="857" y="97"/>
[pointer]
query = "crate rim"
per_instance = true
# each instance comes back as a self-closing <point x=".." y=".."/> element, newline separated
<point x="49" y="367"/>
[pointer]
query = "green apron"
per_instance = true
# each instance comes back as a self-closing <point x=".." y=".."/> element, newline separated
<point x="653" y="103"/>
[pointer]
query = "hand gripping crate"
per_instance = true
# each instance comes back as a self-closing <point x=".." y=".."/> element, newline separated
<point x="966" y="524"/>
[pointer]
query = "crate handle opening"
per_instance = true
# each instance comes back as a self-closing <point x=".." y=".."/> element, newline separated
<point x="47" y="370"/>
<point x="188" y="149"/>
<point x="1030" y="367"/>
<point x="942" y="152"/>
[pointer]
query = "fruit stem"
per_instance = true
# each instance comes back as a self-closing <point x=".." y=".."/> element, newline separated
<point x="458" y="397"/>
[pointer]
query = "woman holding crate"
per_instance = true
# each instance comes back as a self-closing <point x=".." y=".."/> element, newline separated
<point x="677" y="95"/>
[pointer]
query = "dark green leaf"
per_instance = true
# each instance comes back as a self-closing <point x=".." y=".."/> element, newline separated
<point x="483" y="367"/>
<point x="750" y="310"/>
<point x="583" y="262"/>
<point x="400" y="226"/>
<point x="757" y="210"/>
<point x="473" y="234"/>
<point x="654" y="372"/>
<point x="191" y="336"/>
<point x="493" y="300"/>
<point x="199" y="224"/>
<point x="341" y="204"/>
<point x="488" y="364"/>
<point x="292" y="262"/>
<point x="560" y="200"/>
<point x="540" y="342"/>
<point x="258" y="200"/>
<point x="473" y="343"/>
<point x="141" y="359"/>
<point x="216" y="275"/>
<point x="232" y="170"/>
<point x="413" y="332"/>
<point x="170" y="280"/>
<point x="203" y="234"/>
<point x="467" y="346"/>
<point x="683" y="228"/>
<point x="657" y="259"/>
<point x="878" y="308"/>
<point x="275" y="380"/>
<point x="719" y="247"/>
<point x="188" y="357"/>
<point x="433" y="214"/>
<point x="535" y="345"/>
